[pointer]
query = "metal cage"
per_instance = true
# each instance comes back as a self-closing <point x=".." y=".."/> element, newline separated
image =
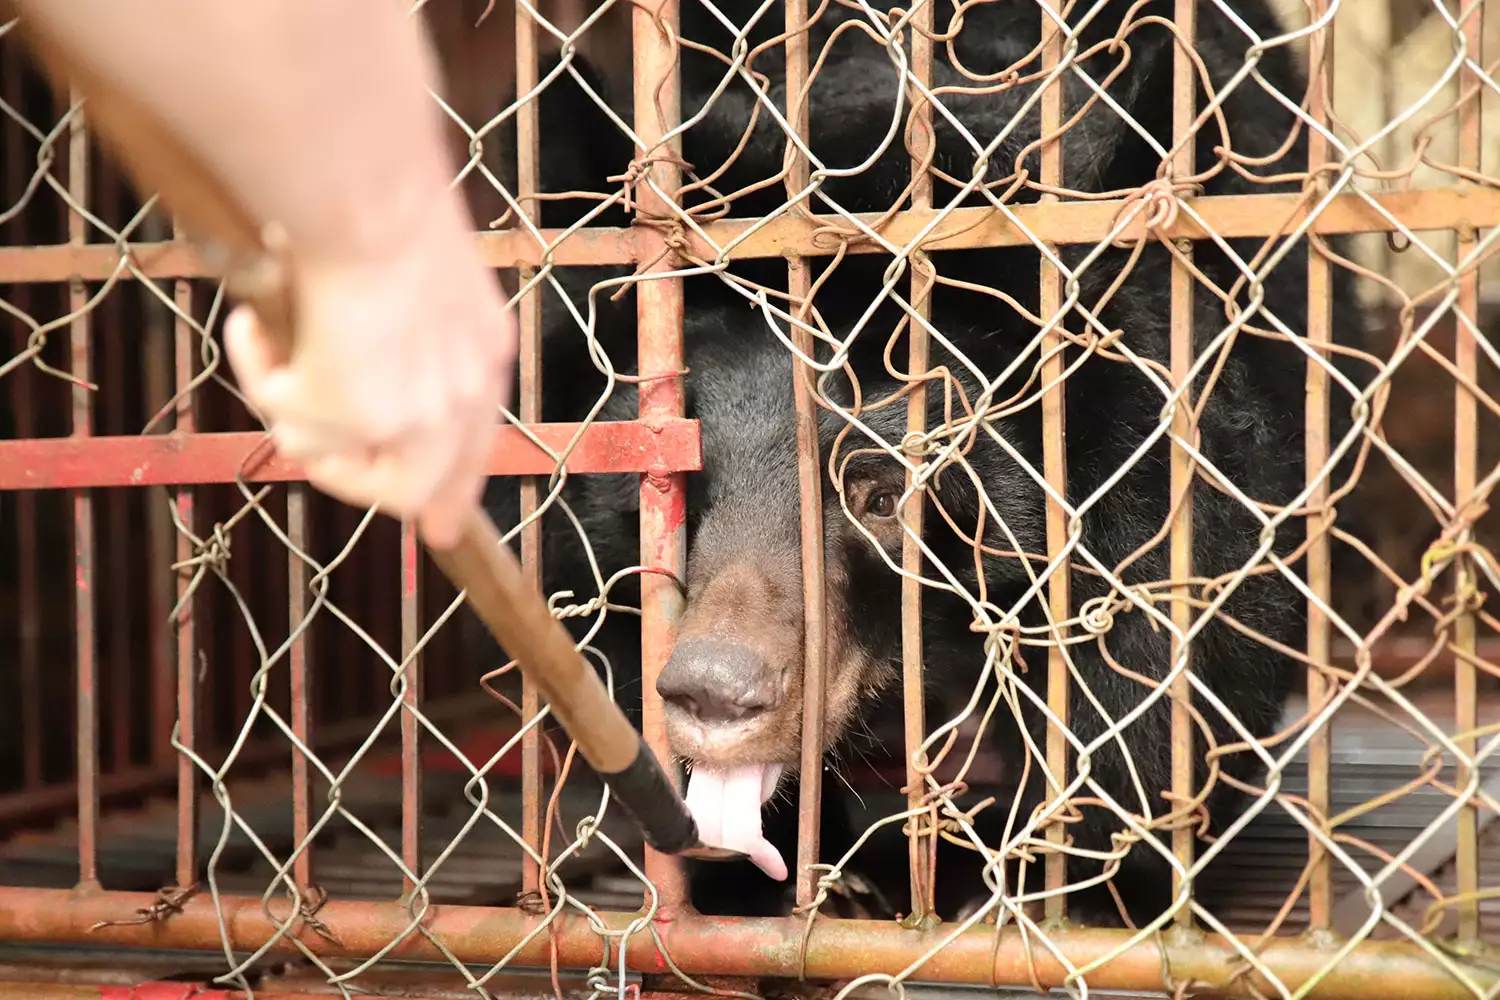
<point x="209" y="676"/>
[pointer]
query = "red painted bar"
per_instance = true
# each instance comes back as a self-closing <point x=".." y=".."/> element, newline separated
<point x="186" y="415"/>
<point x="301" y="716"/>
<point x="660" y="447"/>
<point x="659" y="312"/>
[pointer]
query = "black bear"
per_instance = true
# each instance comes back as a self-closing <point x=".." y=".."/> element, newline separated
<point x="733" y="685"/>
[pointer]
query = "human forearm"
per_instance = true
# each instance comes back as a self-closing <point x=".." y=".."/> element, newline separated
<point x="314" y="113"/>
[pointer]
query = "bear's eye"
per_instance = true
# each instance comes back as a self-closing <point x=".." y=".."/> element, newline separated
<point x="882" y="504"/>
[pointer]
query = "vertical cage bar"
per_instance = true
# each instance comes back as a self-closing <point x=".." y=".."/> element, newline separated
<point x="1055" y="462"/>
<point x="87" y="719"/>
<point x="1181" y="541"/>
<point x="29" y="568"/>
<point x="349" y="654"/>
<point x="810" y="479"/>
<point x="659" y="305"/>
<point x="921" y="840"/>
<point x="411" y="750"/>
<point x="659" y="327"/>
<point x="1317" y="446"/>
<point x="120" y="667"/>
<point x="529" y="313"/>
<point x="187" y="620"/>
<point x="156" y="369"/>
<point x="1465" y="471"/>
<point x="301" y="716"/>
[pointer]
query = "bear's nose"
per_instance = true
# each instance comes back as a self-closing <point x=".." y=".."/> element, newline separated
<point x="715" y="680"/>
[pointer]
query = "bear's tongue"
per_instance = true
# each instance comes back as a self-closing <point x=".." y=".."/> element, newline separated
<point x="725" y="803"/>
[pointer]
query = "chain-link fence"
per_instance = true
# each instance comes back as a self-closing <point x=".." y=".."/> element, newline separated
<point x="1040" y="446"/>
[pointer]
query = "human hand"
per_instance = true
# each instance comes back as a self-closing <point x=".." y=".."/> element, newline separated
<point x="391" y="395"/>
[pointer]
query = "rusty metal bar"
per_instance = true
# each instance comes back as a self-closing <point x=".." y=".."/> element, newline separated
<point x="243" y="659"/>
<point x="84" y="630"/>
<point x="28" y="570"/>
<point x="29" y="581"/>
<point x="834" y="949"/>
<point x="1465" y="475"/>
<point x="1184" y="111"/>
<point x="301" y="716"/>
<point x="529" y="312"/>
<point x="1316" y="452"/>
<point x="659" y="312"/>
<point x="80" y="988"/>
<point x="186" y="418"/>
<point x="200" y="459"/>
<point x="810" y="480"/>
<point x="156" y="369"/>
<point x="118" y="662"/>
<point x="921" y="838"/>
<point x="166" y="990"/>
<point x="411" y="751"/>
<point x="1228" y="216"/>
<point x="1055" y="467"/>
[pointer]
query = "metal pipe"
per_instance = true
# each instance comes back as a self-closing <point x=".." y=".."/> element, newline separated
<point x="835" y="949"/>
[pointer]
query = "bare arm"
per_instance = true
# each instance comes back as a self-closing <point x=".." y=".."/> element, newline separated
<point x="276" y="96"/>
<point x="316" y="114"/>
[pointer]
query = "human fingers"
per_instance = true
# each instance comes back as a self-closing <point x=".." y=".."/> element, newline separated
<point x="250" y="358"/>
<point x="398" y="477"/>
<point x="248" y="350"/>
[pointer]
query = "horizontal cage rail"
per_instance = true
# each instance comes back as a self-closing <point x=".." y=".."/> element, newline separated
<point x="657" y="447"/>
<point x="1226" y="216"/>
<point x="830" y="949"/>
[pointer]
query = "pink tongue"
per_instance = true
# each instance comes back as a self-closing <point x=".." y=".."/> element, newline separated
<point x="725" y="803"/>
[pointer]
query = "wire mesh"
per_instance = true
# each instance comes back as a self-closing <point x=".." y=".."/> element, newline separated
<point x="1049" y="434"/>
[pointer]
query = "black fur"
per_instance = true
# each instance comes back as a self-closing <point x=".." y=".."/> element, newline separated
<point x="740" y="387"/>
